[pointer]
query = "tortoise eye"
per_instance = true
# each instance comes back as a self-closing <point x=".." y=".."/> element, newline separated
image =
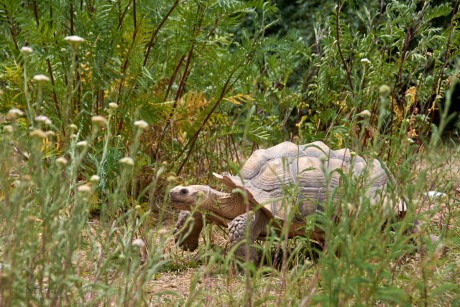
<point x="183" y="191"/>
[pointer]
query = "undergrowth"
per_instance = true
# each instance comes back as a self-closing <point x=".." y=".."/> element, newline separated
<point x="106" y="105"/>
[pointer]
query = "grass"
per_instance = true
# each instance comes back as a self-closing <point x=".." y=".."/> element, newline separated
<point x="84" y="180"/>
<point x="55" y="251"/>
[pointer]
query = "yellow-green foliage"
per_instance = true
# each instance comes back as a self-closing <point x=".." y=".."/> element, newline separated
<point x="105" y="105"/>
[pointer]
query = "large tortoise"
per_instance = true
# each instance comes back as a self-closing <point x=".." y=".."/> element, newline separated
<point x="271" y="184"/>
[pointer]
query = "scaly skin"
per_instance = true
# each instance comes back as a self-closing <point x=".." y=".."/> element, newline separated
<point x="252" y="222"/>
<point x="186" y="235"/>
<point x="204" y="199"/>
<point x="221" y="208"/>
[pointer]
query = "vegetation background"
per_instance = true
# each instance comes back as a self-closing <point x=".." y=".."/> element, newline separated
<point x="94" y="132"/>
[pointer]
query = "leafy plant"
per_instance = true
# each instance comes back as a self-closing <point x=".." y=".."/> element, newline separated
<point x="104" y="105"/>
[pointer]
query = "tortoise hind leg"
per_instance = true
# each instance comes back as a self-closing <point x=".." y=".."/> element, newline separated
<point x="254" y="223"/>
<point x="187" y="233"/>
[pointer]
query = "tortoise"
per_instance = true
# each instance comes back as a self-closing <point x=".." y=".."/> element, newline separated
<point x="271" y="184"/>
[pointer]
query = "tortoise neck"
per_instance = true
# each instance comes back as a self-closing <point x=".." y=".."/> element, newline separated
<point x="228" y="205"/>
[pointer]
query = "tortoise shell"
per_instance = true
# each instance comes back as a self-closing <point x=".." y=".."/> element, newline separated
<point x="288" y="174"/>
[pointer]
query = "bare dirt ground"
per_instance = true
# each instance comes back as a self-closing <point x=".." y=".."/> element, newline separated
<point x="187" y="270"/>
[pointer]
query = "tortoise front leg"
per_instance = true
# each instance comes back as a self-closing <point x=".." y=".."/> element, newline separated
<point x="254" y="223"/>
<point x="187" y="234"/>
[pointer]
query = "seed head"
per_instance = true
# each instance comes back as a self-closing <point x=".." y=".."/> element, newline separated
<point x="74" y="40"/>
<point x="141" y="124"/>
<point x="82" y="144"/>
<point x="61" y="161"/>
<point x="365" y="61"/>
<point x="38" y="133"/>
<point x="40" y="78"/>
<point x="113" y="105"/>
<point x="73" y="127"/>
<point x="138" y="242"/>
<point x="26" y="50"/>
<point x="384" y="90"/>
<point x="86" y="188"/>
<point x="127" y="161"/>
<point x="99" y="120"/>
<point x="365" y="113"/>
<point x="95" y="178"/>
<point x="13" y="114"/>
<point x="43" y="119"/>
<point x="8" y="129"/>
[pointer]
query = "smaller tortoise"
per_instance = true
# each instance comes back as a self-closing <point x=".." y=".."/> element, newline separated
<point x="264" y="179"/>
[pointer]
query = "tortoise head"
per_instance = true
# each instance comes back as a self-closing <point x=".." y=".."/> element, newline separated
<point x="187" y="198"/>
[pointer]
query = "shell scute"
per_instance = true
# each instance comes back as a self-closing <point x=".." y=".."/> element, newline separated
<point x="288" y="174"/>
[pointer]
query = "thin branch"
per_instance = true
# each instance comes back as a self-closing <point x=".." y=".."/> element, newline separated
<point x="180" y="90"/>
<point x="11" y="26"/>
<point x="35" y="7"/>
<point x="56" y="104"/>
<point x="227" y="86"/>
<point x="436" y="88"/>
<point x="122" y="17"/>
<point x="154" y="34"/>
<point x="71" y="17"/>
<point x="124" y="68"/>
<point x="337" y="36"/>
<point x="51" y="12"/>
<point x="410" y="33"/>
<point x="134" y="14"/>
<point x="173" y="77"/>
<point x="191" y="142"/>
<point x="409" y="36"/>
<point x="171" y="82"/>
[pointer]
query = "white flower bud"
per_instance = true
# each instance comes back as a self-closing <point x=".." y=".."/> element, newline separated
<point x="365" y="113"/>
<point x="8" y="129"/>
<point x="74" y="40"/>
<point x="127" y="161"/>
<point x="26" y="50"/>
<point x="95" y="178"/>
<point x="43" y="119"/>
<point x="40" y="78"/>
<point x="86" y="188"/>
<point x="141" y="124"/>
<point x="99" y="120"/>
<point x="113" y="105"/>
<point x="38" y="133"/>
<point x="13" y="114"/>
<point x="61" y="161"/>
<point x="138" y="242"/>
<point x="82" y="144"/>
<point x="384" y="90"/>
